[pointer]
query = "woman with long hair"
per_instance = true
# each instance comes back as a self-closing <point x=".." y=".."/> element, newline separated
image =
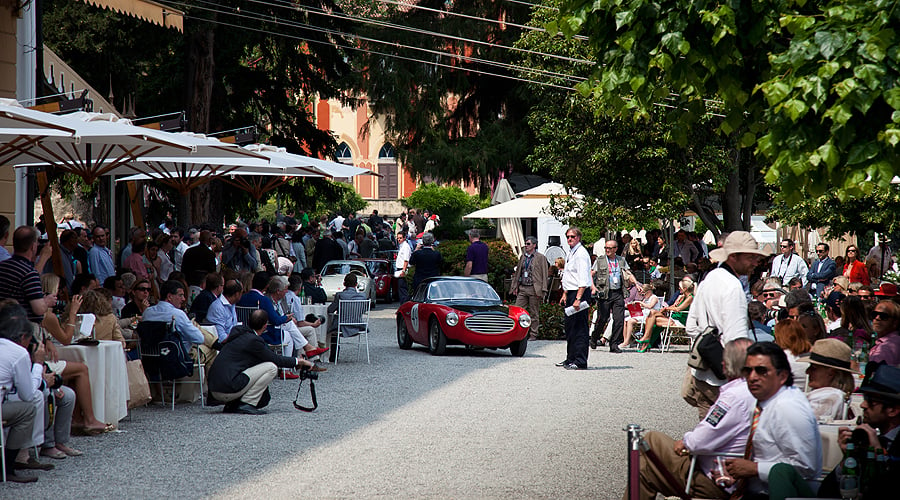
<point x="74" y="374"/>
<point x="855" y="268"/>
<point x="659" y="318"/>
<point x="106" y="325"/>
<point x="791" y="337"/>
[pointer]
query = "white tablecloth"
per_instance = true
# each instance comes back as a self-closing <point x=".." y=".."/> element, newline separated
<point x="109" y="378"/>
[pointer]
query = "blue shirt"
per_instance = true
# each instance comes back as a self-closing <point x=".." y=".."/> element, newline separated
<point x="4" y="254"/>
<point x="165" y="311"/>
<point x="222" y="314"/>
<point x="100" y="262"/>
<point x="255" y="299"/>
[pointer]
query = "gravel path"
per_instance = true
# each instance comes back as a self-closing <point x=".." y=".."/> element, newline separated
<point x="476" y="424"/>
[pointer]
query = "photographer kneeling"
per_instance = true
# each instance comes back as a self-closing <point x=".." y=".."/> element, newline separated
<point x="245" y="366"/>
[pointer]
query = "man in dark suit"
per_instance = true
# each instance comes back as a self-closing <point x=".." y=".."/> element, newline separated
<point x="326" y="249"/>
<point x="245" y="366"/>
<point x="427" y="261"/>
<point x="529" y="283"/>
<point x="821" y="271"/>
<point x="211" y="292"/>
<point x="199" y="260"/>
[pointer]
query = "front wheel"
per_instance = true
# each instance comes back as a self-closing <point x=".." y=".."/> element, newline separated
<point x="403" y="338"/>
<point x="437" y="341"/>
<point x="518" y="348"/>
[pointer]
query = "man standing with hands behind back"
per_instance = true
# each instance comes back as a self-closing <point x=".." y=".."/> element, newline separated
<point x="576" y="282"/>
<point x="609" y="274"/>
<point x="530" y="282"/>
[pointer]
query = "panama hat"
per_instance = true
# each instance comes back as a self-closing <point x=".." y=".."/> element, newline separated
<point x="829" y="352"/>
<point x="882" y="380"/>
<point x="737" y="242"/>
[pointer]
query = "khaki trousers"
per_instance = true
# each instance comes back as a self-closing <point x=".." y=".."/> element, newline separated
<point x="698" y="393"/>
<point x="653" y="481"/>
<point x="261" y="376"/>
<point x="530" y="300"/>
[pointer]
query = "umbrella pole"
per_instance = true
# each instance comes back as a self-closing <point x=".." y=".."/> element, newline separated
<point x="136" y="213"/>
<point x="50" y="222"/>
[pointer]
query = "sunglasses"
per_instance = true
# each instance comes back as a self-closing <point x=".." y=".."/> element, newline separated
<point x="883" y="315"/>
<point x="762" y="371"/>
<point x="785" y="246"/>
<point x="850" y="250"/>
<point x="142" y="289"/>
<point x="571" y="236"/>
<point x="820" y="251"/>
<point x="610" y="248"/>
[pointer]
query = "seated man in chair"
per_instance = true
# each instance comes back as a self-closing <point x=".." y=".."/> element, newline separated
<point x="724" y="430"/>
<point x="348" y="293"/>
<point x="245" y="366"/>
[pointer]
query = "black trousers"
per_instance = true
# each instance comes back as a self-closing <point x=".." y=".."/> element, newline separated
<point x="577" y="331"/>
<point x="614" y="305"/>
<point x="402" y="292"/>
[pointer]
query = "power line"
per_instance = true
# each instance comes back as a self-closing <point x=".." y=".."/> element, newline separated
<point x="385" y="24"/>
<point x="271" y="19"/>
<point x="395" y="56"/>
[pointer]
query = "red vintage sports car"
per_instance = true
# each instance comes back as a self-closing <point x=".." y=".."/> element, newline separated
<point x="451" y="310"/>
<point x="382" y="271"/>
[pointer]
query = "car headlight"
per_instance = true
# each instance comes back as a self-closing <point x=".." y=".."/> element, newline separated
<point x="452" y="319"/>
<point x="525" y="321"/>
<point x="361" y="286"/>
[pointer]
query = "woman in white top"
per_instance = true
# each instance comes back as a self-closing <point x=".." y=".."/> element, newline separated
<point x="830" y="378"/>
<point x="650" y="303"/>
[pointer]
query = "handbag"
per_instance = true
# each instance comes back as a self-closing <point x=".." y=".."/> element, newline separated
<point x="138" y="386"/>
<point x="706" y="352"/>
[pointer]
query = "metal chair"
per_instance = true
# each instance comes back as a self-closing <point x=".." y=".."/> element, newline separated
<point x="352" y="318"/>
<point x="674" y="331"/>
<point x="690" y="476"/>
<point x="2" y="436"/>
<point x="153" y="356"/>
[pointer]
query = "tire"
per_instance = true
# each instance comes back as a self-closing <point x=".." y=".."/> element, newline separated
<point x="403" y="338"/>
<point x="437" y="341"/>
<point x="517" y="349"/>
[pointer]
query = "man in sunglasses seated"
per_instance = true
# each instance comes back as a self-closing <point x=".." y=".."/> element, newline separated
<point x="881" y="411"/>
<point x="784" y="454"/>
<point x="885" y="322"/>
<point x="724" y="430"/>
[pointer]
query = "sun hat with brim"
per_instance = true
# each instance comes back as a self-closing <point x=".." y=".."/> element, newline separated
<point x="882" y="380"/>
<point x="887" y="290"/>
<point x="829" y="352"/>
<point x="842" y="281"/>
<point x="737" y="242"/>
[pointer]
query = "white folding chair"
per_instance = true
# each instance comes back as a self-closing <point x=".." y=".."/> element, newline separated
<point x="690" y="476"/>
<point x="352" y="317"/>
<point x="150" y="350"/>
<point x="672" y="331"/>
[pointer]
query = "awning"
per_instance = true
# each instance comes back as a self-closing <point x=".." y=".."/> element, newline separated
<point x="147" y="10"/>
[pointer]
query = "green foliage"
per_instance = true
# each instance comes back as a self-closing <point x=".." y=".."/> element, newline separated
<point x="834" y="103"/>
<point x="552" y="322"/>
<point x="447" y="122"/>
<point x="449" y="202"/>
<point x="315" y="196"/>
<point x="878" y="211"/>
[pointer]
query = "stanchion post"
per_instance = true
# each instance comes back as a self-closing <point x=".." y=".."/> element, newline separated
<point x="634" y="460"/>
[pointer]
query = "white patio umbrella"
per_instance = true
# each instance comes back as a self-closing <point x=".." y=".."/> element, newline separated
<point x="21" y="129"/>
<point x="510" y="227"/>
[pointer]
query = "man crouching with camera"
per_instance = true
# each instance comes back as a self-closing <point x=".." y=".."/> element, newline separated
<point x="245" y="366"/>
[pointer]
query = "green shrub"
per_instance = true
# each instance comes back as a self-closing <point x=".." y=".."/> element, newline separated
<point x="552" y="325"/>
<point x="501" y="261"/>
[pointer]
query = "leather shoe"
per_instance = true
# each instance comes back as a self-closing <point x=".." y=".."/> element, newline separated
<point x="593" y="344"/>
<point x="315" y="352"/>
<point x="573" y="366"/>
<point x="562" y="363"/>
<point x="33" y="464"/>
<point x="318" y="368"/>
<point x="243" y="408"/>
<point x="288" y="375"/>
<point x="615" y="350"/>
<point x="15" y="478"/>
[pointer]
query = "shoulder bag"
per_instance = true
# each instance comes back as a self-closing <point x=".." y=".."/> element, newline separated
<point x="706" y="352"/>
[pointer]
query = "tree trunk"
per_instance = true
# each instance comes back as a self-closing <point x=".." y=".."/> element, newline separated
<point x="202" y="71"/>
<point x="731" y="202"/>
<point x="750" y="173"/>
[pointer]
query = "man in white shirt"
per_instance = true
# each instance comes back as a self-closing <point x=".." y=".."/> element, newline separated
<point x="178" y="246"/>
<point x="784" y="455"/>
<point x="720" y="302"/>
<point x="404" y="252"/>
<point x="789" y="265"/>
<point x="576" y="282"/>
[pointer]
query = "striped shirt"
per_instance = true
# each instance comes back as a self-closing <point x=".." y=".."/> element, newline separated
<point x="19" y="281"/>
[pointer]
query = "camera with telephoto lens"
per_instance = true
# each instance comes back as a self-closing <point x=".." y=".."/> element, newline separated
<point x="306" y="374"/>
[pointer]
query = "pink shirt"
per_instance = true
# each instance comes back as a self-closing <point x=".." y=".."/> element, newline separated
<point x="886" y="349"/>
<point x="135" y="262"/>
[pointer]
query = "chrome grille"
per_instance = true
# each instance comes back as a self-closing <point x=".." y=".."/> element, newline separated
<point x="490" y="323"/>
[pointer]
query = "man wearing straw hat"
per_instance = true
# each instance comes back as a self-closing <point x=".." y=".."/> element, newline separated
<point x="720" y="302"/>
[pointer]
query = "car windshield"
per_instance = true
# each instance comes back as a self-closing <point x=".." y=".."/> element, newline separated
<point x="377" y="267"/>
<point x="461" y="291"/>
<point x="334" y="269"/>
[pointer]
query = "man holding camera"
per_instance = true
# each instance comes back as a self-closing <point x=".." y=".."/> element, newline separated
<point x="245" y="366"/>
<point x="240" y="255"/>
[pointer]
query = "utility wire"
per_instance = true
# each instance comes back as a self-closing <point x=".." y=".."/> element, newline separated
<point x="272" y="19"/>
